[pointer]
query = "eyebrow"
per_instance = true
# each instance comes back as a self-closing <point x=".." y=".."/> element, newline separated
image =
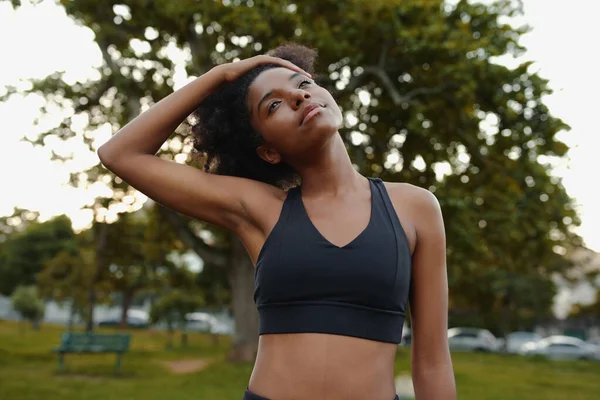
<point x="270" y="92"/>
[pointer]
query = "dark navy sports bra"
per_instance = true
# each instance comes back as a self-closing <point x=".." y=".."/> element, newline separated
<point x="305" y="284"/>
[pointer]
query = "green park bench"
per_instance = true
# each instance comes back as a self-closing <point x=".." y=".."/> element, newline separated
<point x="94" y="343"/>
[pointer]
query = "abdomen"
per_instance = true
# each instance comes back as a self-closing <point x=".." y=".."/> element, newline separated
<point x="321" y="366"/>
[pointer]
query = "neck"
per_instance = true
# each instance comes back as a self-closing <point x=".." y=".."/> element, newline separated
<point x="331" y="172"/>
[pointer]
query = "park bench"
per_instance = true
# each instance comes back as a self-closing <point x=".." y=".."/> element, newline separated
<point x="95" y="343"/>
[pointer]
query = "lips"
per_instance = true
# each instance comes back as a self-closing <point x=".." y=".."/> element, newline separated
<point x="307" y="109"/>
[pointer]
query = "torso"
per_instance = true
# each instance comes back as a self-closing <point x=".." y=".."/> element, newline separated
<point x="323" y="366"/>
<point x="320" y="366"/>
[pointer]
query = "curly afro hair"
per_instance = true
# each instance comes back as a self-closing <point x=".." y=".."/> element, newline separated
<point x="223" y="135"/>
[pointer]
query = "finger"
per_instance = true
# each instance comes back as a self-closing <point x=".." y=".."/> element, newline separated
<point x="287" y="64"/>
<point x="294" y="67"/>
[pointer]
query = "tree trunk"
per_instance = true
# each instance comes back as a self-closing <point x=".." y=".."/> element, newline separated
<point x="184" y="338"/>
<point x="506" y="301"/>
<point x="214" y="339"/>
<point x="126" y="304"/>
<point x="241" y="278"/>
<point x="100" y="237"/>
<point x="170" y="337"/>
<point x="72" y="312"/>
<point x="89" y="325"/>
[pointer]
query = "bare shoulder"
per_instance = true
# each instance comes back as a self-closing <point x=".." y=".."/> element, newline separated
<point x="415" y="197"/>
<point x="419" y="211"/>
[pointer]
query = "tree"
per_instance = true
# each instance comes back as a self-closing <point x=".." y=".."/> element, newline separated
<point x="586" y="310"/>
<point x="98" y="241"/>
<point x="128" y="273"/>
<point x="51" y="255"/>
<point x="135" y="259"/>
<point x="425" y="99"/>
<point x="138" y="250"/>
<point x="25" y="251"/>
<point x="16" y="222"/>
<point x="26" y="302"/>
<point x="214" y="284"/>
<point x="67" y="279"/>
<point x="172" y="309"/>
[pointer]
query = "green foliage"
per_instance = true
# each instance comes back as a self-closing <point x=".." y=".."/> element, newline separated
<point x="67" y="278"/>
<point x="587" y="310"/>
<point x="214" y="284"/>
<point x="172" y="307"/>
<point x="17" y="221"/>
<point x="23" y="253"/>
<point x="26" y="302"/>
<point x="426" y="102"/>
<point x="138" y="256"/>
<point x="125" y="256"/>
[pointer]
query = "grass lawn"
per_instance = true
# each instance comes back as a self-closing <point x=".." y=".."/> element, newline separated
<point x="29" y="371"/>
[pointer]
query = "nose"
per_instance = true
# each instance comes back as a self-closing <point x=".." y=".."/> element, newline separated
<point x="298" y="97"/>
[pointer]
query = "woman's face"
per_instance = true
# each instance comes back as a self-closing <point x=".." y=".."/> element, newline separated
<point x="294" y="115"/>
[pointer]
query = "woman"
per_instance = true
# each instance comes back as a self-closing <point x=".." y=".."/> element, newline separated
<point x="336" y="257"/>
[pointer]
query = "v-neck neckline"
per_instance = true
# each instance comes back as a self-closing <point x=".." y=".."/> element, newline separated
<point x="357" y="237"/>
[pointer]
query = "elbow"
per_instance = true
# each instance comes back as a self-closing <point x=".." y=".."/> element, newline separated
<point x="107" y="156"/>
<point x="104" y="155"/>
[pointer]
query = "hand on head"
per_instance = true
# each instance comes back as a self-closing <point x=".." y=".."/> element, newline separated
<point x="232" y="71"/>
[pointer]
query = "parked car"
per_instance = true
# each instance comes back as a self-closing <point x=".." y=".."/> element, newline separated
<point x="517" y="339"/>
<point x="207" y="323"/>
<point x="200" y="322"/>
<point x="559" y="347"/>
<point x="135" y="319"/>
<point x="595" y="341"/>
<point x="472" y="339"/>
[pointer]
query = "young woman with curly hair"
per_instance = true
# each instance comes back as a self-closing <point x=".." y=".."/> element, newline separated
<point x="337" y="256"/>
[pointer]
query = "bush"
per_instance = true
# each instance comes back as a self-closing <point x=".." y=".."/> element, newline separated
<point x="26" y="302"/>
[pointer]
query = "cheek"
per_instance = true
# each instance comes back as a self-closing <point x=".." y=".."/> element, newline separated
<point x="281" y="126"/>
<point x="269" y="136"/>
<point x="273" y="134"/>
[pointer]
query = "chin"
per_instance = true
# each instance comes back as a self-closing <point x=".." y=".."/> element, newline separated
<point x="324" y="129"/>
<point x="326" y="123"/>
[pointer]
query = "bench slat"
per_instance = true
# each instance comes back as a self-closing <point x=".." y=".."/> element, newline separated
<point x="93" y="343"/>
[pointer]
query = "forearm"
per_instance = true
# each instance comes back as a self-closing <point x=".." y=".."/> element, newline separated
<point x="147" y="132"/>
<point x="434" y="383"/>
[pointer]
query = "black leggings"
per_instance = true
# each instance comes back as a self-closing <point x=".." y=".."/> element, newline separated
<point x="248" y="395"/>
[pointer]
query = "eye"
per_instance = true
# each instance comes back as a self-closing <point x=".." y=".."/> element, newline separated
<point x="273" y="105"/>
<point x="304" y="83"/>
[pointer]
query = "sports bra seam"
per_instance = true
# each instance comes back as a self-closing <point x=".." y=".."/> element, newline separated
<point x="283" y="214"/>
<point x="389" y="206"/>
<point x="384" y="200"/>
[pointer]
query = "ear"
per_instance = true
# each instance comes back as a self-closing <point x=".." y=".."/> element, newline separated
<point x="268" y="154"/>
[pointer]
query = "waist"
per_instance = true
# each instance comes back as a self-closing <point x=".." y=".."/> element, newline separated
<point x="322" y="365"/>
<point x="330" y="317"/>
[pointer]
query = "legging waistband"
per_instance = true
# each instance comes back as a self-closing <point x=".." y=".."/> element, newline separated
<point x="248" y="395"/>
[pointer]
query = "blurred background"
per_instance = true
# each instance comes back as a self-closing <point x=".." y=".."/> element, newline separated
<point x="487" y="104"/>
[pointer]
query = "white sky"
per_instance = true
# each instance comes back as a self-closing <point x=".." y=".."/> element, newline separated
<point x="45" y="40"/>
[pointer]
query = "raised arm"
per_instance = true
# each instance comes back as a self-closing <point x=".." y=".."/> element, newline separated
<point x="432" y="370"/>
<point x="131" y="155"/>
